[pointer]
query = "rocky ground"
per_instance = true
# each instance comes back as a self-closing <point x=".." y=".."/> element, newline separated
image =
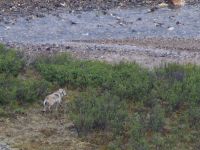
<point x="147" y="52"/>
<point x="38" y="8"/>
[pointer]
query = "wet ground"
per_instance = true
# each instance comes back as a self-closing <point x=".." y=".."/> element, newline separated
<point x="112" y="24"/>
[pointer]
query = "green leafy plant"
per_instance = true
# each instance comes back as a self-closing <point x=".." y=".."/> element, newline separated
<point x="157" y="117"/>
<point x="10" y="61"/>
<point x="91" y="111"/>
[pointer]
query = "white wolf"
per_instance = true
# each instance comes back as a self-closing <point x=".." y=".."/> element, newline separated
<point x="54" y="99"/>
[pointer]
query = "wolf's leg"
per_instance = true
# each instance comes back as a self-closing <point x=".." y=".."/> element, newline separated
<point x="44" y="109"/>
<point x="49" y="108"/>
<point x="56" y="107"/>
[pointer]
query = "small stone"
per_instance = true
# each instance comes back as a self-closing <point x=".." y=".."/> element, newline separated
<point x="152" y="9"/>
<point x="85" y="34"/>
<point x="73" y="23"/>
<point x="70" y="125"/>
<point x="67" y="47"/>
<point x="7" y="28"/>
<point x="171" y="28"/>
<point x="63" y="4"/>
<point x="48" y="49"/>
<point x="161" y="5"/>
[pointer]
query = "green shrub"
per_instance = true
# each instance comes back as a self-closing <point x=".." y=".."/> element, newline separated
<point x="191" y="86"/>
<point x="75" y="74"/>
<point x="131" y="82"/>
<point x="177" y="84"/>
<point x="128" y="81"/>
<point x="137" y="139"/>
<point x="22" y="91"/>
<point x="10" y="61"/>
<point x="157" y="117"/>
<point x="158" y="141"/>
<point x="171" y="72"/>
<point x="116" y="144"/>
<point x="31" y="90"/>
<point x="169" y="85"/>
<point x="8" y="85"/>
<point x="3" y="113"/>
<point x="93" y="111"/>
<point x="194" y="117"/>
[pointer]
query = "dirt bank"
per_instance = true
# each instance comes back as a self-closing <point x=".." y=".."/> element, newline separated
<point x="148" y="52"/>
<point x="37" y="131"/>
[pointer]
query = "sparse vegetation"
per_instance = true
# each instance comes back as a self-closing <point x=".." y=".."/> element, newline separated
<point x="16" y="90"/>
<point x="10" y="61"/>
<point x="157" y="116"/>
<point x="138" y="107"/>
<point x="128" y="81"/>
<point x="93" y="111"/>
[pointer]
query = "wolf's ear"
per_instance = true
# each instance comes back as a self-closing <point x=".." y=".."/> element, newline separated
<point x="60" y="90"/>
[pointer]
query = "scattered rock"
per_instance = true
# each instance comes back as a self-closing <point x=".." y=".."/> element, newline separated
<point x="139" y="19"/>
<point x="171" y="28"/>
<point x="48" y="48"/>
<point x="152" y="9"/>
<point x="40" y="15"/>
<point x="70" y="125"/>
<point x="72" y="22"/>
<point x="158" y="24"/>
<point x="85" y="34"/>
<point x="163" y="4"/>
<point x="4" y="146"/>
<point x="63" y="4"/>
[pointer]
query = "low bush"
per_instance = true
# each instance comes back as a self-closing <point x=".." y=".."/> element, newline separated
<point x="137" y="140"/>
<point x="91" y="111"/>
<point x="194" y="117"/>
<point x="74" y="73"/>
<point x="21" y="91"/>
<point x="178" y="84"/>
<point x="14" y="89"/>
<point x="8" y="85"/>
<point x="31" y="90"/>
<point x="10" y="61"/>
<point x="3" y="113"/>
<point x="157" y="117"/>
<point x="128" y="81"/>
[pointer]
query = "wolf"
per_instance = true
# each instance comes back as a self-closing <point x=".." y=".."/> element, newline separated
<point x="53" y="99"/>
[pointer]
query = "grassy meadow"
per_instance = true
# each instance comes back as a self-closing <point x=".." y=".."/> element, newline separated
<point x="133" y="108"/>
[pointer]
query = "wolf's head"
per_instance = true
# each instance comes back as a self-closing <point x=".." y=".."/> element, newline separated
<point x="62" y="92"/>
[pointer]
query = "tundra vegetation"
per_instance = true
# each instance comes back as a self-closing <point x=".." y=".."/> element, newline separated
<point x="132" y="107"/>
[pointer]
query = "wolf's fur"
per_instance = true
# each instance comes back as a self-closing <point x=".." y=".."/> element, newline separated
<point x="54" y="99"/>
